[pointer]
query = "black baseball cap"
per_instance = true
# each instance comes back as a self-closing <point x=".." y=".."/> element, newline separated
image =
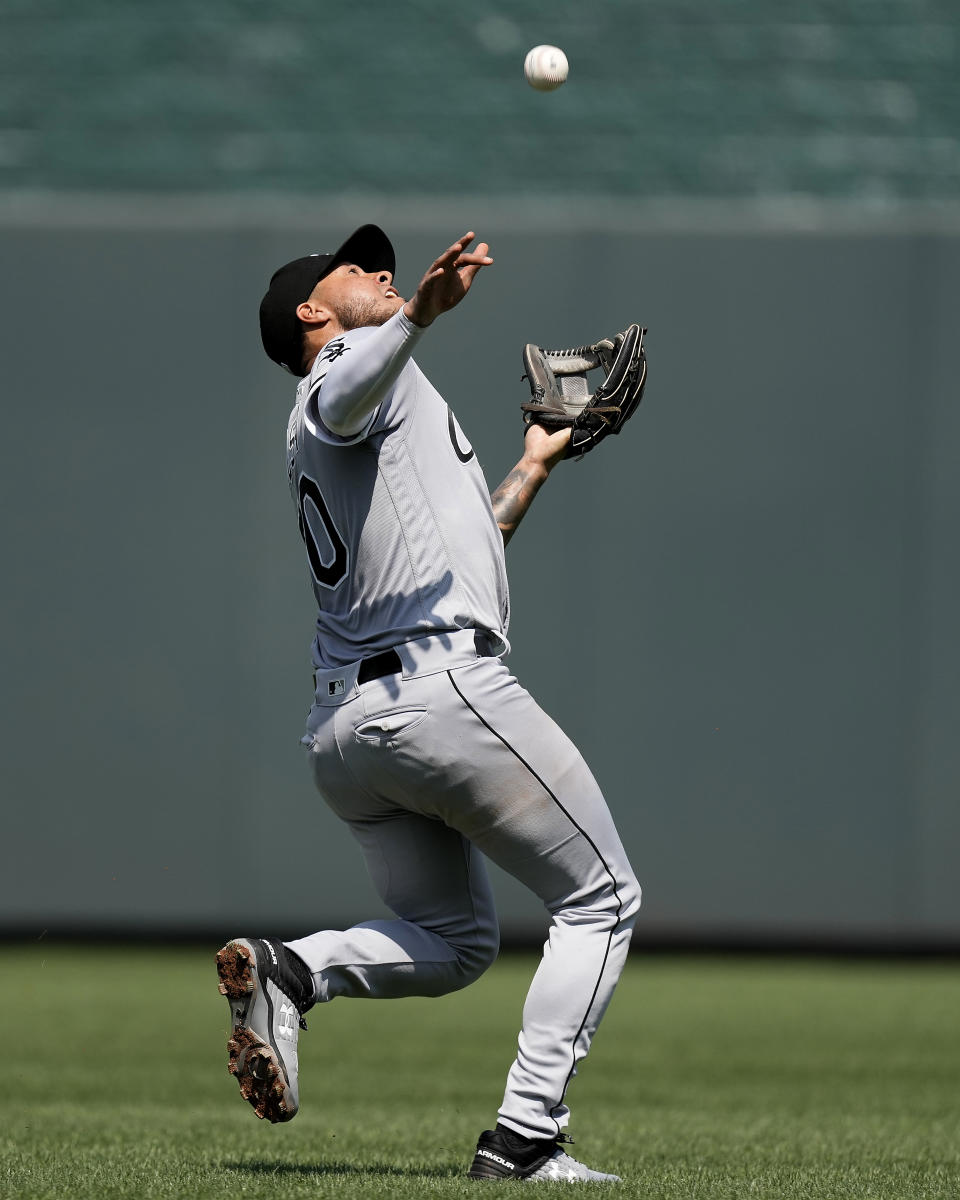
<point x="281" y="330"/>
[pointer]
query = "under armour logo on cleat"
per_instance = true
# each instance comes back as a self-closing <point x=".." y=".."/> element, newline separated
<point x="504" y="1162"/>
<point x="287" y="1023"/>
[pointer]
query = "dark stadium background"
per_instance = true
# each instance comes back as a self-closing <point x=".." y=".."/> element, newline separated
<point x="744" y="610"/>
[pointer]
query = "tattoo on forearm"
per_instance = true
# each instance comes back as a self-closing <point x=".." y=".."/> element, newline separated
<point x="513" y="497"/>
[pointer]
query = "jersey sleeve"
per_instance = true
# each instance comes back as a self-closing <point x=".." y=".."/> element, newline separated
<point x="353" y="375"/>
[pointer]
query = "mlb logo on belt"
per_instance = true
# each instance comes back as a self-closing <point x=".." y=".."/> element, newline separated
<point x="335" y="687"/>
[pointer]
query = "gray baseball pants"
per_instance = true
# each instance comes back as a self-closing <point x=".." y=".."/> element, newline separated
<point x="429" y="767"/>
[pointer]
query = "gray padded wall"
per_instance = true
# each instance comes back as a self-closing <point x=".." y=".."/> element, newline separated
<point x="743" y="611"/>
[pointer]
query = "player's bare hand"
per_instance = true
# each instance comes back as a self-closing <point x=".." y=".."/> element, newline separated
<point x="447" y="281"/>
<point x="545" y="447"/>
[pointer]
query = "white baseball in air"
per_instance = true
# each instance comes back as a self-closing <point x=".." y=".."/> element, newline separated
<point x="545" y="67"/>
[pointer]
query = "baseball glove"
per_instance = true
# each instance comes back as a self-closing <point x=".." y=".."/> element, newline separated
<point x="561" y="397"/>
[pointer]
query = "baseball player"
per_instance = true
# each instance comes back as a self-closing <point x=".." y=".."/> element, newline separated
<point x="419" y="737"/>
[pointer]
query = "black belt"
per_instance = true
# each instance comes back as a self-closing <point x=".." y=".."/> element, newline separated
<point x="378" y="665"/>
<point x="388" y="661"/>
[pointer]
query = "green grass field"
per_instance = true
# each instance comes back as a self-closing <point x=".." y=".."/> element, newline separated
<point x="710" y="1078"/>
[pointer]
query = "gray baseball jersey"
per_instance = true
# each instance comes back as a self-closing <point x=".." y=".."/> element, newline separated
<point x="446" y="754"/>
<point x="400" y="533"/>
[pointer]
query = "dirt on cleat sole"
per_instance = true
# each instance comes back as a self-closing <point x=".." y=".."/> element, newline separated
<point x="259" y="1076"/>
<point x="251" y="1060"/>
<point x="235" y="969"/>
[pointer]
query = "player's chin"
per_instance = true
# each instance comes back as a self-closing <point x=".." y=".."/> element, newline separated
<point x="387" y="308"/>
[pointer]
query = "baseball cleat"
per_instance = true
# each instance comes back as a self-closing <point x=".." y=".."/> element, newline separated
<point x="266" y="1008"/>
<point x="503" y="1154"/>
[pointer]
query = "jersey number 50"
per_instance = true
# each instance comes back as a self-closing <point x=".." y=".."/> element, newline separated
<point x="328" y="574"/>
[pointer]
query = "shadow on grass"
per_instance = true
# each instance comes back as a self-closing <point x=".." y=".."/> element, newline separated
<point x="263" y="1167"/>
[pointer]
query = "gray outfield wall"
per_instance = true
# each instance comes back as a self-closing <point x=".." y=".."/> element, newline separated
<point x="744" y="611"/>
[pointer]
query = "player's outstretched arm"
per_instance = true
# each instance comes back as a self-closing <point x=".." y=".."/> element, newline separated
<point x="541" y="453"/>
<point x="447" y="281"/>
<point x="352" y="391"/>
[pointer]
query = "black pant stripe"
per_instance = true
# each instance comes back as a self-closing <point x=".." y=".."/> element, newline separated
<point x="613" y="879"/>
